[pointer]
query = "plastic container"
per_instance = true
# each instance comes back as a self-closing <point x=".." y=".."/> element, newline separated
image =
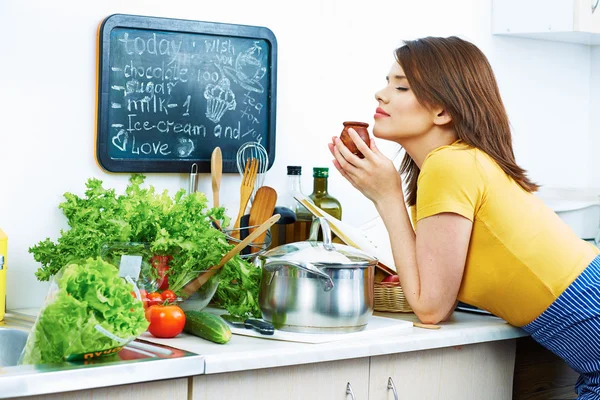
<point x="89" y="312"/>
<point x="154" y="271"/>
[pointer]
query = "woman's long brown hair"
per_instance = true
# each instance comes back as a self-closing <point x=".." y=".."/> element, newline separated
<point x="454" y="74"/>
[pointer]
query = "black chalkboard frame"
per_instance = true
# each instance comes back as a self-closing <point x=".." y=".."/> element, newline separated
<point x="176" y="26"/>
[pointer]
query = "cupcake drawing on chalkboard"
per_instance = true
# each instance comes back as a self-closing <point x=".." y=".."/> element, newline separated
<point x="248" y="70"/>
<point x="219" y="98"/>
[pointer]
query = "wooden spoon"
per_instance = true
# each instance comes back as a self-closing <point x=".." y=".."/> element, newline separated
<point x="195" y="283"/>
<point x="262" y="208"/>
<point x="216" y="171"/>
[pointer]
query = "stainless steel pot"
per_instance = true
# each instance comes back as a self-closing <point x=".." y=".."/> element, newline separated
<point x="317" y="287"/>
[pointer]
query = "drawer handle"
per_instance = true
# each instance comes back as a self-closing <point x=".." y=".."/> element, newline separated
<point x="595" y="5"/>
<point x="392" y="386"/>
<point x="349" y="391"/>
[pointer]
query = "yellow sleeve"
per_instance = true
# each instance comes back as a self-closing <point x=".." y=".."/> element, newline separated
<point x="450" y="181"/>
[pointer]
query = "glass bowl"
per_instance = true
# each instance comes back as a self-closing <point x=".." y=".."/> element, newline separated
<point x="201" y="297"/>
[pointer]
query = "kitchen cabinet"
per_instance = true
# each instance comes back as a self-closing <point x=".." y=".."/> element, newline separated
<point x="321" y="381"/>
<point x="478" y="371"/>
<point x="175" y="389"/>
<point x="482" y="370"/>
<point x="574" y="21"/>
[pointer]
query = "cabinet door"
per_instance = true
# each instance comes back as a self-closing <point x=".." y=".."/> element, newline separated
<point x="174" y="389"/>
<point x="320" y="381"/>
<point x="477" y="371"/>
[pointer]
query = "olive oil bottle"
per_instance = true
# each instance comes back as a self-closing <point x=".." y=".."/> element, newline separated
<point x="320" y="195"/>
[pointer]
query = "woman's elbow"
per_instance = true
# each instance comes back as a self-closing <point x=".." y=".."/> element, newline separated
<point x="432" y="317"/>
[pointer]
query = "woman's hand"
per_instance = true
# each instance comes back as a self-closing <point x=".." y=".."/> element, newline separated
<point x="374" y="176"/>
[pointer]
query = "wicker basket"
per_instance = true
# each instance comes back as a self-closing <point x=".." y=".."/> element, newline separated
<point x="389" y="297"/>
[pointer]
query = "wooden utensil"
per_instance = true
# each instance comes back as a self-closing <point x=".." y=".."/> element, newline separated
<point x="426" y="326"/>
<point x="262" y="208"/>
<point x="216" y="171"/>
<point x="246" y="190"/>
<point x="196" y="283"/>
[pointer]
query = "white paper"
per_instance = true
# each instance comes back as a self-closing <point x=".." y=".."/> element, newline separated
<point x="130" y="266"/>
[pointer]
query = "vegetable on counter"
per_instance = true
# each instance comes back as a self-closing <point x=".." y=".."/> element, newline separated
<point x="178" y="231"/>
<point x="391" y="278"/>
<point x="207" y="326"/>
<point x="169" y="296"/>
<point x="89" y="309"/>
<point x="166" y="321"/>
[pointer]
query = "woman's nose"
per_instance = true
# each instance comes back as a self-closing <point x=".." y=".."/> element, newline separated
<point x="379" y="96"/>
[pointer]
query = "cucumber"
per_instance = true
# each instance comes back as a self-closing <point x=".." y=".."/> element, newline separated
<point x="207" y="326"/>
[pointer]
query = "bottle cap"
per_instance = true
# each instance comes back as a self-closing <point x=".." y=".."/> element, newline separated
<point x="294" y="170"/>
<point x="320" y="172"/>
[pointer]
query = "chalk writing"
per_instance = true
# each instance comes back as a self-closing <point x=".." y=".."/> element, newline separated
<point x="174" y="94"/>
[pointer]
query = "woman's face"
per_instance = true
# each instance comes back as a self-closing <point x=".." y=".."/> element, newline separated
<point x="399" y="115"/>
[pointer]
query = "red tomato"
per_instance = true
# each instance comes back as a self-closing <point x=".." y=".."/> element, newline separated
<point x="169" y="296"/>
<point x="391" y="278"/>
<point x="154" y="298"/>
<point x="161" y="264"/>
<point x="165" y="321"/>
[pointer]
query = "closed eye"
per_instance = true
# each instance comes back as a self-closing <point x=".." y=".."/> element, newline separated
<point x="404" y="89"/>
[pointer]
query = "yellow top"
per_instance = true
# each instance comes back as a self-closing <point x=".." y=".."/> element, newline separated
<point x="522" y="256"/>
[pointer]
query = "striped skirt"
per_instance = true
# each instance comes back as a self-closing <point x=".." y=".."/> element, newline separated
<point x="570" y="328"/>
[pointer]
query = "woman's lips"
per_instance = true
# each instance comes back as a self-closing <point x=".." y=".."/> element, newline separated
<point x="379" y="113"/>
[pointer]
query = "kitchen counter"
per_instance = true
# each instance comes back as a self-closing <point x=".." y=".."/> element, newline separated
<point x="245" y="353"/>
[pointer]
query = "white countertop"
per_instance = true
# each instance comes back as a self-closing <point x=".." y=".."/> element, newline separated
<point x="245" y="353"/>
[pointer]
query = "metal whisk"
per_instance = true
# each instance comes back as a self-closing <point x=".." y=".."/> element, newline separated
<point x="248" y="151"/>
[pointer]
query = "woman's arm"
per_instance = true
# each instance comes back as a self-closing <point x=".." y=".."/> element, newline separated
<point x="430" y="263"/>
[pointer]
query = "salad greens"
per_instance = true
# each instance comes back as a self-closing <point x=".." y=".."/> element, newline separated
<point x="86" y="298"/>
<point x="178" y="226"/>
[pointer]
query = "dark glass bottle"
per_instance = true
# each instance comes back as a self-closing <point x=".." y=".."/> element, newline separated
<point x="300" y="229"/>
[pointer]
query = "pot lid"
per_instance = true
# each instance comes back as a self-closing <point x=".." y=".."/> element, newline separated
<point x="323" y="253"/>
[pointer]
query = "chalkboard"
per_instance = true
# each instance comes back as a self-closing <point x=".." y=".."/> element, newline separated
<point x="170" y="91"/>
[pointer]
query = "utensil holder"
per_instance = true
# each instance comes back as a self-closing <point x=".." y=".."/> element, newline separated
<point x="243" y="232"/>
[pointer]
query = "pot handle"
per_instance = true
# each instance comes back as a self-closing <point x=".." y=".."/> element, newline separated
<point x="314" y="232"/>
<point x="276" y="265"/>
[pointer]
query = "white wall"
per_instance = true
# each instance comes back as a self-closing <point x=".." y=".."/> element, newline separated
<point x="594" y="143"/>
<point x="333" y="56"/>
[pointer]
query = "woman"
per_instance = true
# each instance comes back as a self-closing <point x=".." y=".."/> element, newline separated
<point x="480" y="235"/>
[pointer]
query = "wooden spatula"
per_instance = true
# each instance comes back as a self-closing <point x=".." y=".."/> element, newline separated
<point x="216" y="171"/>
<point x="261" y="210"/>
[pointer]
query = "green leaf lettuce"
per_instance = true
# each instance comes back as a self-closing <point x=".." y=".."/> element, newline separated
<point x="84" y="299"/>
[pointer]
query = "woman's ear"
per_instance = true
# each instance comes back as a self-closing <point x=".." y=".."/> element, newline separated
<point x="441" y="117"/>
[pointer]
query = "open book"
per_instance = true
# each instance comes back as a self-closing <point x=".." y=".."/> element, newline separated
<point x="372" y="237"/>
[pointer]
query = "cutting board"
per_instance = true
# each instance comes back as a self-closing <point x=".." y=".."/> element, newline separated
<point x="377" y="327"/>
